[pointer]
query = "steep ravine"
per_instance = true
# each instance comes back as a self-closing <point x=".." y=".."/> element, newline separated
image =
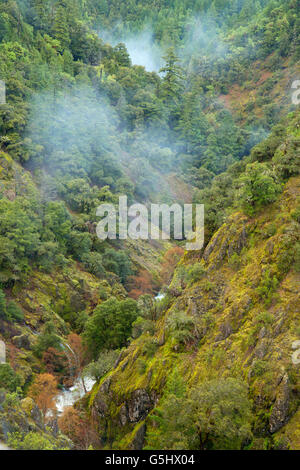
<point x="246" y="328"/>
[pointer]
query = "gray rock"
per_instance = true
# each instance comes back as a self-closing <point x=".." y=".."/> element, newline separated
<point x="22" y="342"/>
<point x="279" y="415"/>
<point x="139" y="438"/>
<point x="123" y="415"/>
<point x="139" y="405"/>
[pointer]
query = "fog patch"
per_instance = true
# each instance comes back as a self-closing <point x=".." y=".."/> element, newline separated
<point x="141" y="46"/>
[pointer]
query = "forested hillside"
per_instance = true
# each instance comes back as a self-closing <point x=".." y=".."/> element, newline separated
<point x="164" y="102"/>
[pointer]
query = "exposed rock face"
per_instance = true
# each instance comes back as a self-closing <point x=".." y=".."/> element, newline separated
<point x="228" y="240"/>
<point x="139" y="405"/>
<point x="225" y="331"/>
<point x="139" y="438"/>
<point x="132" y="411"/>
<point x="101" y="402"/>
<point x="22" y="342"/>
<point x="279" y="415"/>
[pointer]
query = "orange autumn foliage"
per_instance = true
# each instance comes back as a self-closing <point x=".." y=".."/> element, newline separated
<point x="43" y="392"/>
<point x="80" y="351"/>
<point x="55" y="362"/>
<point x="169" y="263"/>
<point x="78" y="428"/>
<point x="140" y="285"/>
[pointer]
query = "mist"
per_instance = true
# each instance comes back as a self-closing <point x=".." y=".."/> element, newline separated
<point x="141" y="46"/>
<point x="144" y="51"/>
<point x="202" y="36"/>
<point x="78" y="135"/>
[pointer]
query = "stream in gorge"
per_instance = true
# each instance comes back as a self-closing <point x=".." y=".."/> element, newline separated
<point x="67" y="397"/>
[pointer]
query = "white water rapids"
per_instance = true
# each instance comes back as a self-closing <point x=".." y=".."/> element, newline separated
<point x="160" y="296"/>
<point x="68" y="397"/>
<point x="4" y="446"/>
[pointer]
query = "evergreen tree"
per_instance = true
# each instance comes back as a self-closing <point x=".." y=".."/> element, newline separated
<point x="61" y="28"/>
<point x="172" y="84"/>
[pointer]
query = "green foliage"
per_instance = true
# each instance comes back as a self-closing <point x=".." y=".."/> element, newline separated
<point x="3" y="309"/>
<point x="196" y="273"/>
<point x="9" y="380"/>
<point x="235" y="261"/>
<point x="297" y="257"/>
<point x="222" y="413"/>
<point x="97" y="369"/>
<point x="169" y="420"/>
<point x="33" y="441"/>
<point x="287" y="159"/>
<point x="47" y="339"/>
<point x="150" y="347"/>
<point x="267" y="287"/>
<point x="117" y="262"/>
<point x="10" y="311"/>
<point x="141" y="365"/>
<point x="266" y="318"/>
<point x="181" y="327"/>
<point x="147" y="307"/>
<point x="12" y="400"/>
<point x="259" y="367"/>
<point x="296" y="214"/>
<point x="258" y="187"/>
<point x="172" y="77"/>
<point x="215" y="415"/>
<point x="93" y="263"/>
<point x="15" y="312"/>
<point x="142" y="325"/>
<point x="110" y="325"/>
<point x="103" y="293"/>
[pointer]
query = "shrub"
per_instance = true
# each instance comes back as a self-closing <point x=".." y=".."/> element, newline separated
<point x="297" y="258"/>
<point x="267" y="287"/>
<point x="287" y="159"/>
<point x="266" y="318"/>
<point x="150" y="347"/>
<point x="259" y="367"/>
<point x="142" y="325"/>
<point x="117" y="262"/>
<point x="15" y="312"/>
<point x="96" y="370"/>
<point x="296" y="214"/>
<point x="3" y="309"/>
<point x="215" y="415"/>
<point x="93" y="263"/>
<point x="32" y="441"/>
<point x="47" y="339"/>
<point x="234" y="261"/>
<point x="12" y="401"/>
<point x="10" y="312"/>
<point x="258" y="187"/>
<point x="103" y="293"/>
<point x="181" y="327"/>
<point x="196" y="273"/>
<point x="9" y="380"/>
